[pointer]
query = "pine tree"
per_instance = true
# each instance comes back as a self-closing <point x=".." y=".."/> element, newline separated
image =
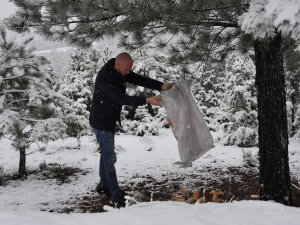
<point x="27" y="113"/>
<point x="56" y="80"/>
<point x="241" y="129"/>
<point x="209" y="92"/>
<point x="78" y="88"/>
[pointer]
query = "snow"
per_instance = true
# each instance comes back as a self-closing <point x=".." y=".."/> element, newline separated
<point x="167" y="213"/>
<point x="264" y="16"/>
<point x="21" y="201"/>
<point x="7" y="9"/>
<point x="240" y="89"/>
<point x="2" y="99"/>
<point x="50" y="51"/>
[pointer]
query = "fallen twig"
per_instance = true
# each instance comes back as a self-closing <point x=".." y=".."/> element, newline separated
<point x="298" y="188"/>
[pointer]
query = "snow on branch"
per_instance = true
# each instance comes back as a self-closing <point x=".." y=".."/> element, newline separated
<point x="264" y="17"/>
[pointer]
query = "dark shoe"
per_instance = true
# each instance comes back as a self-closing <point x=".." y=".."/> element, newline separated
<point x="103" y="190"/>
<point x="119" y="202"/>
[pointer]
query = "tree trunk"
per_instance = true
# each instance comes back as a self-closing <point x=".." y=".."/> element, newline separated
<point x="22" y="162"/>
<point x="295" y="99"/>
<point x="294" y="110"/>
<point x="272" y="118"/>
<point x="78" y="140"/>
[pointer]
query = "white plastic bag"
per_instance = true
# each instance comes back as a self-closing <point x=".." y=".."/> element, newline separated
<point x="188" y="124"/>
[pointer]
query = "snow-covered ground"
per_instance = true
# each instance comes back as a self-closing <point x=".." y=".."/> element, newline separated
<point x="138" y="157"/>
<point x="167" y="213"/>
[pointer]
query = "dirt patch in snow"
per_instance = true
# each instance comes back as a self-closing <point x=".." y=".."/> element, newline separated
<point x="237" y="183"/>
<point x="242" y="184"/>
<point x="62" y="174"/>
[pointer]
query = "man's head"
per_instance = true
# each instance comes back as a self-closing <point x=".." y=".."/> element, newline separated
<point x="123" y="63"/>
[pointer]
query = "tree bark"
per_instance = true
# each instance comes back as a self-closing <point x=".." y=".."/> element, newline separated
<point x="22" y="162"/>
<point x="272" y="118"/>
<point x="295" y="99"/>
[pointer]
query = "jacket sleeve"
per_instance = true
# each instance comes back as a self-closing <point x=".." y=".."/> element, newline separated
<point x="146" y="82"/>
<point x="114" y="93"/>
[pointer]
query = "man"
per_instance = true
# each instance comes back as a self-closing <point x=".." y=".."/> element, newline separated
<point x="108" y="98"/>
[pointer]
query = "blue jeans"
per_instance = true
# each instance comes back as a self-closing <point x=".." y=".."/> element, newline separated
<point x="108" y="158"/>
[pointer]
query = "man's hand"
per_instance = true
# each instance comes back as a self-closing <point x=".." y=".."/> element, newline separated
<point x="167" y="86"/>
<point x="153" y="100"/>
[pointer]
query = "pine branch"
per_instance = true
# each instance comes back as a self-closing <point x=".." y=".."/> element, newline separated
<point x="29" y="119"/>
<point x="12" y="78"/>
<point x="210" y="24"/>
<point x="16" y="101"/>
<point x="13" y="91"/>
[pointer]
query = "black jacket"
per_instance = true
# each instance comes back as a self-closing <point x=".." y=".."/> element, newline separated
<point x="109" y="95"/>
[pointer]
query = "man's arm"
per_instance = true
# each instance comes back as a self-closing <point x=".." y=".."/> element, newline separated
<point x="146" y="82"/>
<point x="117" y="96"/>
<point x="124" y="99"/>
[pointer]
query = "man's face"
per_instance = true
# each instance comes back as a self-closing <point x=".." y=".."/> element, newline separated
<point x="124" y="68"/>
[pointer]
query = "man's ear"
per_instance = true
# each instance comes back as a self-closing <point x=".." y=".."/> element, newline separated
<point x="116" y="65"/>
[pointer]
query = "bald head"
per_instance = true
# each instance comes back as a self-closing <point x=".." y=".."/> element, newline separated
<point x="123" y="63"/>
<point x="123" y="57"/>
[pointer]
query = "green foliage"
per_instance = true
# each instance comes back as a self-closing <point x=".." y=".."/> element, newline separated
<point x="80" y="79"/>
<point x="292" y="68"/>
<point x="204" y="27"/>
<point x="26" y="98"/>
<point x="24" y="90"/>
<point x="241" y="128"/>
<point x="250" y="159"/>
<point x="78" y="89"/>
<point x="191" y="31"/>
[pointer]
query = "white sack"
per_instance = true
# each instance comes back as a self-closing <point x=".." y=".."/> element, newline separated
<point x="189" y="127"/>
